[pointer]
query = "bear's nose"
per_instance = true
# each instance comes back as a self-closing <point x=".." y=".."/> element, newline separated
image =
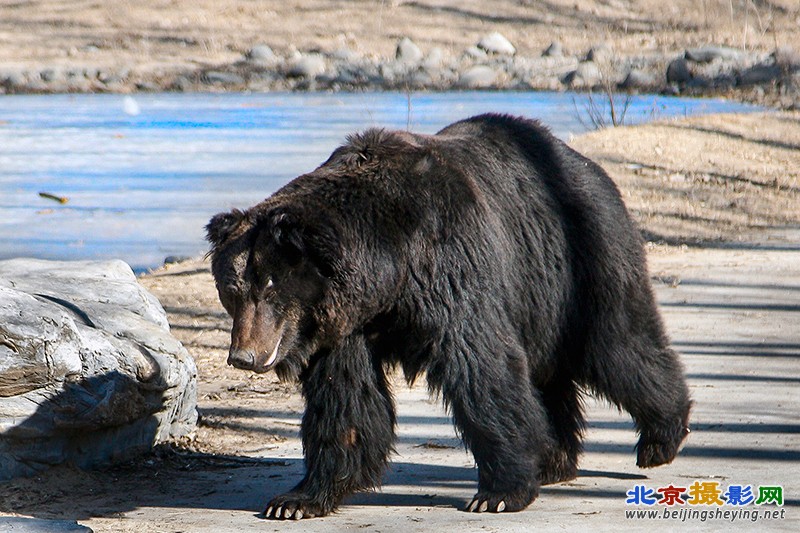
<point x="243" y="359"/>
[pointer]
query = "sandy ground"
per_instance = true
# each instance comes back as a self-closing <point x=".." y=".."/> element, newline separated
<point x="162" y="34"/>
<point x="738" y="189"/>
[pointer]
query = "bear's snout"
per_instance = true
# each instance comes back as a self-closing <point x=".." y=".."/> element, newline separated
<point x="243" y="359"/>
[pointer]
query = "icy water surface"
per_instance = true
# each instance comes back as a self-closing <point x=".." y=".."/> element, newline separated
<point x="142" y="174"/>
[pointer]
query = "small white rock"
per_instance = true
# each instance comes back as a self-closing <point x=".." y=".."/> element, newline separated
<point x="496" y="43"/>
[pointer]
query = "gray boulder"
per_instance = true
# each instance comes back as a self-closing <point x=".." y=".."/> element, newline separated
<point x="496" y="43"/>
<point x="639" y="80"/>
<point x="307" y="66"/>
<point x="678" y="71"/>
<point x="585" y="76"/>
<point x="478" y="77"/>
<point x="759" y="75"/>
<point x="89" y="373"/>
<point x="556" y="49"/>
<point x="407" y="51"/>
<point x="261" y="53"/>
<point x="222" y="78"/>
<point x="708" y="53"/>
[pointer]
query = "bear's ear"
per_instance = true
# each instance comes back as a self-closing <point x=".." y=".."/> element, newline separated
<point x="222" y="225"/>
<point x="288" y="235"/>
<point x="316" y="242"/>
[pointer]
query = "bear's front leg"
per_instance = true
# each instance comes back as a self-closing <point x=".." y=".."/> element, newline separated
<point x="501" y="418"/>
<point x="347" y="430"/>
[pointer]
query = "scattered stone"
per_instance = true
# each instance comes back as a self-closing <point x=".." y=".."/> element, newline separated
<point x="261" y="53"/>
<point x="758" y="75"/>
<point x="51" y="75"/>
<point x="555" y="49"/>
<point x="599" y="53"/>
<point x="147" y="86"/>
<point x="586" y="75"/>
<point x="496" y="43"/>
<point x="707" y="54"/>
<point x="306" y="66"/>
<point x="639" y="80"/>
<point x="344" y="54"/>
<point x="477" y="77"/>
<point x="786" y="58"/>
<point x="222" y="78"/>
<point x="14" y="80"/>
<point x="407" y="51"/>
<point x="434" y="59"/>
<point x="678" y="71"/>
<point x="475" y="53"/>
<point x="89" y="373"/>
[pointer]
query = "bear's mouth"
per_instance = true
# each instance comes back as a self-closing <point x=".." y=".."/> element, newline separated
<point x="273" y="356"/>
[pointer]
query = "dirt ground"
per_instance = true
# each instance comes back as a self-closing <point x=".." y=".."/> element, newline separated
<point x="163" y="34"/>
<point x="719" y="181"/>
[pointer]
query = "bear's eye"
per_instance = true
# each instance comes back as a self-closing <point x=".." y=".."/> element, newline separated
<point x="269" y="283"/>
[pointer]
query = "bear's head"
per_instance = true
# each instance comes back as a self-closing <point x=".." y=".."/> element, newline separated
<point x="324" y="257"/>
<point x="276" y="278"/>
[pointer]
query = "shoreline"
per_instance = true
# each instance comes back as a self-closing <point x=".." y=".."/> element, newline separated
<point x="767" y="79"/>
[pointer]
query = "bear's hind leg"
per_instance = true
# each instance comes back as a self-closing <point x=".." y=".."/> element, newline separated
<point x="565" y="412"/>
<point x="648" y="382"/>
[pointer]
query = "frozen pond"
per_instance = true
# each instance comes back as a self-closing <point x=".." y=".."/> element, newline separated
<point x="143" y="174"/>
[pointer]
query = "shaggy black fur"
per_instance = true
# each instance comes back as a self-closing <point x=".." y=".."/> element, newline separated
<point x="482" y="255"/>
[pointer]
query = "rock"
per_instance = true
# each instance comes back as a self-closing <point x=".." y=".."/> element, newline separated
<point x="599" y="53"/>
<point x="24" y="524"/>
<point x="52" y="75"/>
<point x="759" y="75"/>
<point x="707" y="54"/>
<point x="638" y="79"/>
<point x="786" y="58"/>
<point x="261" y="53"/>
<point x="407" y="51"/>
<point x="434" y="59"/>
<point x="344" y="54"/>
<point x="678" y="71"/>
<point x="306" y="66"/>
<point x="222" y="78"/>
<point x="475" y="53"/>
<point x="478" y="77"/>
<point x="496" y="43"/>
<point x="554" y="50"/>
<point x="89" y="373"/>
<point x="14" y="80"/>
<point x="586" y="75"/>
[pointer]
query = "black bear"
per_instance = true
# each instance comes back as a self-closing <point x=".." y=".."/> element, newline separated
<point x="489" y="257"/>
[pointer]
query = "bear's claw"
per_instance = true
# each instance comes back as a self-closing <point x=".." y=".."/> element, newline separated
<point x="293" y="506"/>
<point x="491" y="502"/>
